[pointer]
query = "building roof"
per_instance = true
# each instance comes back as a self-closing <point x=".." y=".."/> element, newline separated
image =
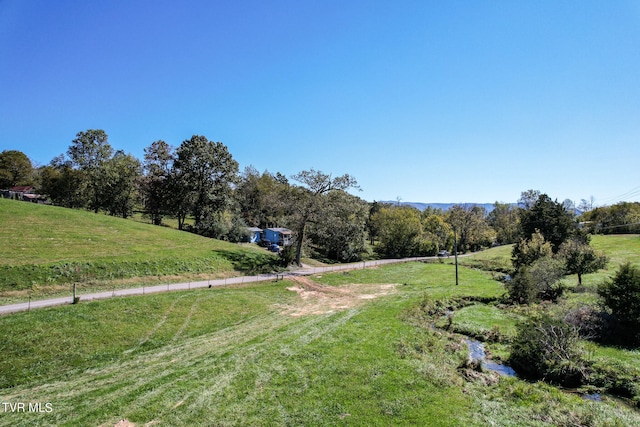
<point x="280" y="230"/>
<point x="22" y="188"/>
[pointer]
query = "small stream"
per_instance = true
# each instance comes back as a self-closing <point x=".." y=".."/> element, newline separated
<point x="476" y="353"/>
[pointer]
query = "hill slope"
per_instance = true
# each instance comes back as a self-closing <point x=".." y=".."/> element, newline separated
<point x="44" y="245"/>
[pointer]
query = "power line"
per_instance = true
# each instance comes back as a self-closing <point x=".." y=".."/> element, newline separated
<point x="631" y="193"/>
<point x="616" y="226"/>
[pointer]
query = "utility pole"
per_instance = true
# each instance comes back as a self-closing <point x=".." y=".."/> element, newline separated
<point x="455" y="252"/>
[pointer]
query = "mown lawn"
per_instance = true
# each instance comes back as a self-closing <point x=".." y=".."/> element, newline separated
<point x="238" y="357"/>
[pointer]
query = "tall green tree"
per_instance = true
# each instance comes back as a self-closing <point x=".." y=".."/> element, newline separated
<point x="63" y="184"/>
<point x="371" y="225"/>
<point x="88" y="153"/>
<point x="261" y="198"/>
<point x="119" y="177"/>
<point x="528" y="251"/>
<point x="15" y="169"/>
<point x="400" y="231"/>
<point x="551" y="219"/>
<point x="340" y="234"/>
<point x="306" y="198"/>
<point x="471" y="227"/>
<point x="437" y="230"/>
<point x="154" y="185"/>
<point x="205" y="171"/>
<point x="504" y="220"/>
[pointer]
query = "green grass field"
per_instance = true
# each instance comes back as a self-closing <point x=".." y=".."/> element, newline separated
<point x="45" y="248"/>
<point x="266" y="355"/>
<point x="348" y="348"/>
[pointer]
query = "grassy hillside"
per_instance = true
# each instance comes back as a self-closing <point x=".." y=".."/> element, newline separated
<point x="45" y="246"/>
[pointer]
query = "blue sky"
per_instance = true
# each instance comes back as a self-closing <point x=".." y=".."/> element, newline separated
<point x="428" y="101"/>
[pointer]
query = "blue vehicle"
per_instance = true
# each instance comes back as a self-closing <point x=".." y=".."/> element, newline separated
<point x="274" y="247"/>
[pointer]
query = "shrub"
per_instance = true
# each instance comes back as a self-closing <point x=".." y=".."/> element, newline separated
<point x="591" y="322"/>
<point x="536" y="282"/>
<point x="546" y="348"/>
<point x="287" y="255"/>
<point x="528" y="251"/>
<point x="621" y="295"/>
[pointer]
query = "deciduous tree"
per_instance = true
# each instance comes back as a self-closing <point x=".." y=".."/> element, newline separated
<point x="88" y="153"/>
<point x="580" y="258"/>
<point x="537" y="282"/>
<point x="471" y="226"/>
<point x="399" y="230"/>
<point x="340" y="233"/>
<point x="15" y="169"/>
<point x="158" y="160"/>
<point x="261" y="198"/>
<point x="504" y="220"/>
<point x="63" y="184"/>
<point x="118" y="176"/>
<point x="306" y="199"/>
<point x="528" y="251"/>
<point x="205" y="172"/>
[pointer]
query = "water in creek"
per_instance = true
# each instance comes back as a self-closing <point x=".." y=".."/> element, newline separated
<point x="476" y="353"/>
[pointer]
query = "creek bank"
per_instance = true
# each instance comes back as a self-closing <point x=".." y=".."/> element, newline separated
<point x="478" y="355"/>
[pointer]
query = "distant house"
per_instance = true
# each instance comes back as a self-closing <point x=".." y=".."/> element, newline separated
<point x="21" y="190"/>
<point x="281" y="236"/>
<point x="25" y="193"/>
<point x="255" y="234"/>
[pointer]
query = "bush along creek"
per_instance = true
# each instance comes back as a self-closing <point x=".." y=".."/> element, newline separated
<point x="525" y="342"/>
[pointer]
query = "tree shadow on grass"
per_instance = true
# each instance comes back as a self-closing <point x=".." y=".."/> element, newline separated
<point x="251" y="263"/>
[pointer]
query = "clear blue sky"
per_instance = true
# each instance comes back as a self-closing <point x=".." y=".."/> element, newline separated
<point x="429" y="101"/>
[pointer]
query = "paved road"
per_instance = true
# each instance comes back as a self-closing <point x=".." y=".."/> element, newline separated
<point x="25" y="306"/>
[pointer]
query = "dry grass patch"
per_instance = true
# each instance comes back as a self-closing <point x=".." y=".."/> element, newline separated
<point x="316" y="298"/>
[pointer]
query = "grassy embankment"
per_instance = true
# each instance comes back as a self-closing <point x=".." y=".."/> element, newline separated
<point x="45" y="249"/>
<point x="343" y="349"/>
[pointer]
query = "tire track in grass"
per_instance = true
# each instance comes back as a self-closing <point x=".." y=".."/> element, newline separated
<point x="187" y="320"/>
<point x="155" y="328"/>
<point x="190" y="380"/>
<point x="209" y="361"/>
<point x="197" y="372"/>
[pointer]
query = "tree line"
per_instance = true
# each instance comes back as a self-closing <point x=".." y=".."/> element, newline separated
<point x="199" y="185"/>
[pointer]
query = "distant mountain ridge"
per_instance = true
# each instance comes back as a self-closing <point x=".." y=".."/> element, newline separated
<point x="444" y="206"/>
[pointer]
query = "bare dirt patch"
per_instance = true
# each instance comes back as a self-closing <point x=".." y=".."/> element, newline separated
<point x="316" y="298"/>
